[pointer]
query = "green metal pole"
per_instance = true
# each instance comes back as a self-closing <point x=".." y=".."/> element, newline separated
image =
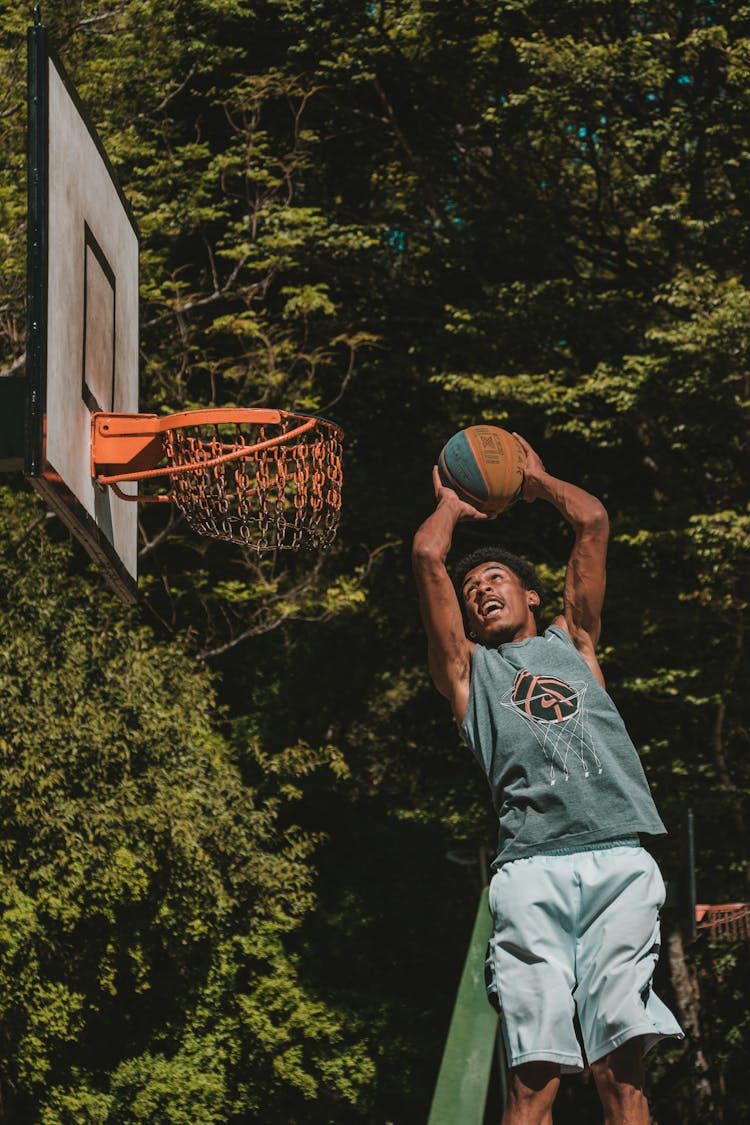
<point x="461" y="1090"/>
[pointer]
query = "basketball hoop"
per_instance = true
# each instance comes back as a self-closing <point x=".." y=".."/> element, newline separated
<point x="728" y="922"/>
<point x="267" y="479"/>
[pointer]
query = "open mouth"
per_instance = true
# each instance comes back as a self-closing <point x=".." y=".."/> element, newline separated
<point x="491" y="608"/>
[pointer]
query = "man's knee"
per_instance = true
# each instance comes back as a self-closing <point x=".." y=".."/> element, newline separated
<point x="532" y="1091"/>
<point x="619" y="1079"/>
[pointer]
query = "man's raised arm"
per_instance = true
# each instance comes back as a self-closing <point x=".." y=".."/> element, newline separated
<point x="585" y="578"/>
<point x="449" y="650"/>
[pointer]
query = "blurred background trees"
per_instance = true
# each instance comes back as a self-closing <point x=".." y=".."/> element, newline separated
<point x="226" y="891"/>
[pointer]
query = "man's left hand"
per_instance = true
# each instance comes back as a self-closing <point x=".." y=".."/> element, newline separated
<point x="533" y="472"/>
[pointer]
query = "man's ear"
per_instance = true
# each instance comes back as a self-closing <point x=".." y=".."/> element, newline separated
<point x="533" y="599"/>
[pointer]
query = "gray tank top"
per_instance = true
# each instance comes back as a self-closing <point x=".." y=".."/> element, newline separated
<point x="561" y="767"/>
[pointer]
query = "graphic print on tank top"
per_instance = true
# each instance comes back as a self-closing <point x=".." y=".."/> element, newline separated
<point x="556" y="713"/>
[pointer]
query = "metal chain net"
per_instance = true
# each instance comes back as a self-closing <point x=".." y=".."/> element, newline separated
<point x="281" y="498"/>
<point x="725" y="923"/>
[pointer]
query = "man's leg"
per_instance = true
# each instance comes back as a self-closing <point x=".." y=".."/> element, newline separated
<point x="533" y="1087"/>
<point x="619" y="1078"/>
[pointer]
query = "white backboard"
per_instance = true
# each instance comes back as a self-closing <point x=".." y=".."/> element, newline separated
<point x="83" y="288"/>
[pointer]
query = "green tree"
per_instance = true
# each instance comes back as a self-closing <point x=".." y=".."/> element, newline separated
<point x="149" y="888"/>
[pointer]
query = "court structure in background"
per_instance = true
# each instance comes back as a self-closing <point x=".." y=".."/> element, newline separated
<point x="266" y="479"/>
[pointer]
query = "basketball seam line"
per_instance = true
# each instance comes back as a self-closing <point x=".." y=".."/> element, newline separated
<point x="460" y="487"/>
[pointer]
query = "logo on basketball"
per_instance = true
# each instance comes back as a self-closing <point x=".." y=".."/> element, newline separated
<point x="544" y="699"/>
<point x="490" y="449"/>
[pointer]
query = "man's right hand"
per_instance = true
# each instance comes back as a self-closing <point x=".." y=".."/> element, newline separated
<point x="447" y="496"/>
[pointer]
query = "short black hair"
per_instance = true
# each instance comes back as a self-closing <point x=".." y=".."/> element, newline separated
<point x="527" y="574"/>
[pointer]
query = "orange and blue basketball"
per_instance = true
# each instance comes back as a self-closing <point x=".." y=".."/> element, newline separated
<point x="484" y="465"/>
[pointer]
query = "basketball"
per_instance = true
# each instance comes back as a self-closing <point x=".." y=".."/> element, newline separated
<point x="484" y="465"/>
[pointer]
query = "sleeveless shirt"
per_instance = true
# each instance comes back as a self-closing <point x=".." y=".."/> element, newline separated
<point x="561" y="767"/>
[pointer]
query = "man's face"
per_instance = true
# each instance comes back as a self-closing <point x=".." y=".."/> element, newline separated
<point x="499" y="608"/>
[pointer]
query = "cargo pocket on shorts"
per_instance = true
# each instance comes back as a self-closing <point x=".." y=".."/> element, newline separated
<point x="490" y="981"/>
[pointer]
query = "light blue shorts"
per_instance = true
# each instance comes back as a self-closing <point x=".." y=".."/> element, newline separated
<point x="577" y="933"/>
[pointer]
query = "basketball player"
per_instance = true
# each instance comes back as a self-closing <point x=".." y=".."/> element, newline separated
<point x="574" y="896"/>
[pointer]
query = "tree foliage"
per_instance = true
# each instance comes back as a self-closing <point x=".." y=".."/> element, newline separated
<point x="150" y="884"/>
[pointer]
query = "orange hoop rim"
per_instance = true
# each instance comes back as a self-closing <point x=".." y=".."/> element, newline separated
<point x="142" y="427"/>
<point x="724" y="922"/>
<point x="236" y="454"/>
<point x="266" y="479"/>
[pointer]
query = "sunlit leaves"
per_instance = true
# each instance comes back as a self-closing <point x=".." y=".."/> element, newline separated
<point x="146" y="891"/>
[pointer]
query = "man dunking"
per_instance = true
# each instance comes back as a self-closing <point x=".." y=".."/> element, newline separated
<point x="574" y="897"/>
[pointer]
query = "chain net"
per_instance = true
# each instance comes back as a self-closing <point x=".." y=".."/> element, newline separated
<point x="284" y="496"/>
<point x="729" y="922"/>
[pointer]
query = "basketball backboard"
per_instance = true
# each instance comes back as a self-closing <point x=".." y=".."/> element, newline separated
<point x="82" y="337"/>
